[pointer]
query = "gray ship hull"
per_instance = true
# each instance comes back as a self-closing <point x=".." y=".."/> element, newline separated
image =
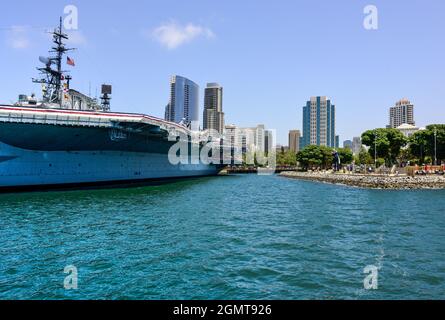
<point x="23" y="169"/>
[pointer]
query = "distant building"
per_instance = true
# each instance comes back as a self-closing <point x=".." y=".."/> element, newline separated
<point x="407" y="129"/>
<point x="347" y="144"/>
<point x="356" y="145"/>
<point x="230" y="135"/>
<point x="213" y="108"/>
<point x="402" y="112"/>
<point x="249" y="139"/>
<point x="184" y="102"/>
<point x="269" y="141"/>
<point x="319" y="123"/>
<point x="294" y="141"/>
<point x="280" y="148"/>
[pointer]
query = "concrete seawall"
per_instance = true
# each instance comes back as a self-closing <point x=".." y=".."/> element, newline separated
<point x="372" y="181"/>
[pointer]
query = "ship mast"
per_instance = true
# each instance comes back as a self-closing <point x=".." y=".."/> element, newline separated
<point x="52" y="78"/>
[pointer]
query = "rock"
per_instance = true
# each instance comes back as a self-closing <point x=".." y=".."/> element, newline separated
<point x="372" y="181"/>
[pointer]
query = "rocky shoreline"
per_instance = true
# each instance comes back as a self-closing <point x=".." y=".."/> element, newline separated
<point x="372" y="181"/>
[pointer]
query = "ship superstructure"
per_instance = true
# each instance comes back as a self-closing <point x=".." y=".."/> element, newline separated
<point x="68" y="138"/>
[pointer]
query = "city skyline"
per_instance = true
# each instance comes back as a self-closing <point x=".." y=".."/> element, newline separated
<point x="265" y="68"/>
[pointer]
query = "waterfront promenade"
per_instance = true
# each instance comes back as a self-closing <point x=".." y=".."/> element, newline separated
<point x="372" y="181"/>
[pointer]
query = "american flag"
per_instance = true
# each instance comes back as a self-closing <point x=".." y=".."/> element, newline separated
<point x="70" y="61"/>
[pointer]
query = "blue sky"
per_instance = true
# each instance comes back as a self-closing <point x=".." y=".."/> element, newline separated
<point x="270" y="56"/>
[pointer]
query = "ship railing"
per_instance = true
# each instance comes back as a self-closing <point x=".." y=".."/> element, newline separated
<point x="62" y="120"/>
<point x="85" y="121"/>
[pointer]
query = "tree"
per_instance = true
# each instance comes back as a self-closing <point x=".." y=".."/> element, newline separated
<point x="364" y="157"/>
<point x="422" y="143"/>
<point x="404" y="156"/>
<point x="315" y="156"/>
<point x="345" y="155"/>
<point x="288" y="158"/>
<point x="389" y="143"/>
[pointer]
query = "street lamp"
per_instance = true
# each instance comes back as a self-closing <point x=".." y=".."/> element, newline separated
<point x="375" y="150"/>
<point x="435" y="146"/>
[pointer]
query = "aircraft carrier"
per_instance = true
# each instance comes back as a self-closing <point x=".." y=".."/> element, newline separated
<point x="68" y="139"/>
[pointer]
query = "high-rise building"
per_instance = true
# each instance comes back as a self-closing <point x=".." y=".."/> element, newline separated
<point x="347" y="144"/>
<point x="213" y="108"/>
<point x="294" y="141"/>
<point x="402" y="112"/>
<point x="356" y="145"/>
<point x="319" y="123"/>
<point x="184" y="102"/>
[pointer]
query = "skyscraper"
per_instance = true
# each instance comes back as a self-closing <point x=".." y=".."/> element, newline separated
<point x="213" y="108"/>
<point x="402" y="112"/>
<point x="319" y="123"/>
<point x="294" y="141"/>
<point x="184" y="102"/>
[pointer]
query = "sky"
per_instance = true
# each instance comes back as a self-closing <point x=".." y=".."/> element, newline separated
<point x="270" y="56"/>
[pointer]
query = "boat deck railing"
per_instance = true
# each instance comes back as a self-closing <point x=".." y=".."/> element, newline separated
<point x="57" y="120"/>
<point x="85" y="120"/>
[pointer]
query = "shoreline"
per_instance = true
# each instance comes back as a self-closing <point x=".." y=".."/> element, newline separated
<point x="371" y="181"/>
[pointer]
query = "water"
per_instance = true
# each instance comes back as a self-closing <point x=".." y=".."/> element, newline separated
<point x="236" y="237"/>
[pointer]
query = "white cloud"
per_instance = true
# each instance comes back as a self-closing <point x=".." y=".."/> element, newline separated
<point x="76" y="38"/>
<point x="172" y="35"/>
<point x="18" y="37"/>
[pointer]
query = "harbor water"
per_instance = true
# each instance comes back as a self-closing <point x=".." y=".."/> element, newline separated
<point x="231" y="237"/>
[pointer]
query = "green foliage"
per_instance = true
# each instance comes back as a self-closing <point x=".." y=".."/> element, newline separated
<point x="364" y="157"/>
<point x="345" y="155"/>
<point x="314" y="156"/>
<point x="389" y="143"/>
<point x="380" y="162"/>
<point x="321" y="156"/>
<point x="405" y="156"/>
<point x="288" y="158"/>
<point x="421" y="144"/>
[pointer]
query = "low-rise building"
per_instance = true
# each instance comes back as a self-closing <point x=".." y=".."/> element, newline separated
<point x="407" y="129"/>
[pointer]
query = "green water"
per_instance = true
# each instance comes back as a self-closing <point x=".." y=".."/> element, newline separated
<point x="236" y="237"/>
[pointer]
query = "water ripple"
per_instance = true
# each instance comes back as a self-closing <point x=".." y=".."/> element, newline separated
<point x="237" y="237"/>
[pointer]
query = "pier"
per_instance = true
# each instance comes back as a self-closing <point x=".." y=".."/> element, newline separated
<point x="254" y="170"/>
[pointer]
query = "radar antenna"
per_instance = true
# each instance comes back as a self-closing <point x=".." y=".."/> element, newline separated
<point x="105" y="98"/>
<point x="52" y="78"/>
